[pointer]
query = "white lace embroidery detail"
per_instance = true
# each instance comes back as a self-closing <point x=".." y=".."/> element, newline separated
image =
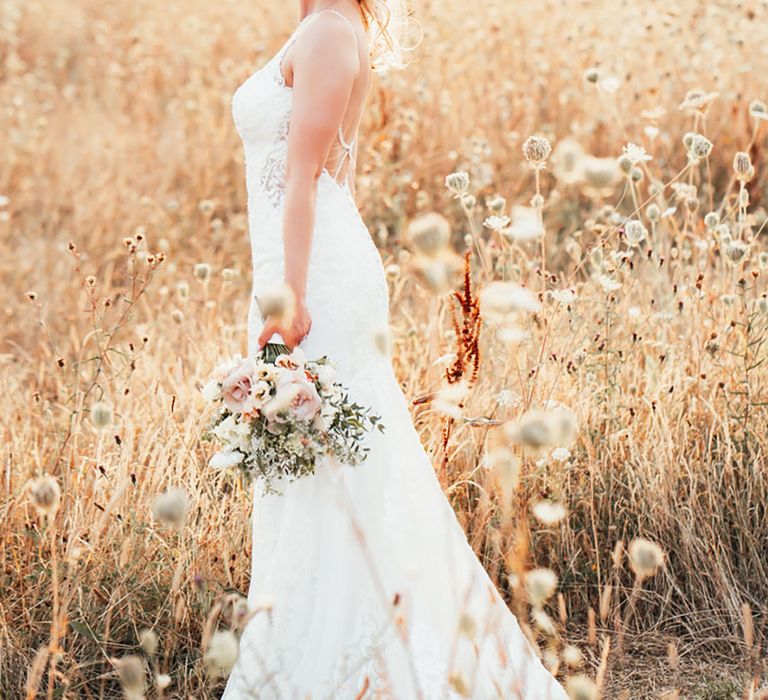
<point x="273" y="174"/>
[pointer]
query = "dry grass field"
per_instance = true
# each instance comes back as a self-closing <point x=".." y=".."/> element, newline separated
<point x="125" y="277"/>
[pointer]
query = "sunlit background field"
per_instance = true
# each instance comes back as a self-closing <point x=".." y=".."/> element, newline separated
<point x="125" y="277"/>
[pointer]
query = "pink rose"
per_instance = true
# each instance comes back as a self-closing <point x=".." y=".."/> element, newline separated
<point x="296" y="396"/>
<point x="237" y="388"/>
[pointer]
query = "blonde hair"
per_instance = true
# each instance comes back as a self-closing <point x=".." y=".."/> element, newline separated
<point x="386" y="22"/>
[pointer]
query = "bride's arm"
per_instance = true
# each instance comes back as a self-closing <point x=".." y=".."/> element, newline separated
<point x="325" y="63"/>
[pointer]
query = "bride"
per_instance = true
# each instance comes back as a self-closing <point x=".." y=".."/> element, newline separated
<point x="373" y="589"/>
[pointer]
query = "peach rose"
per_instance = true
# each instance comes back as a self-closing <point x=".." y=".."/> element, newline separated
<point x="296" y="398"/>
<point x="237" y="388"/>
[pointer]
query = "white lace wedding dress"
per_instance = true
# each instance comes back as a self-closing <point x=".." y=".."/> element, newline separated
<point x="368" y="571"/>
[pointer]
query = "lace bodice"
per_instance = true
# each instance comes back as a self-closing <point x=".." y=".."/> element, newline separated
<point x="261" y="108"/>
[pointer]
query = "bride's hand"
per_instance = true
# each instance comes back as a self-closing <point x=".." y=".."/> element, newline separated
<point x="292" y="332"/>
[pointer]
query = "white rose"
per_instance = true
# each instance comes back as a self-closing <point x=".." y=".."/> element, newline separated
<point x="212" y="391"/>
<point x="326" y="375"/>
<point x="225" y="460"/>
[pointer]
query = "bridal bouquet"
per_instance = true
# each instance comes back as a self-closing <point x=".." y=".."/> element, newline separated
<point x="279" y="413"/>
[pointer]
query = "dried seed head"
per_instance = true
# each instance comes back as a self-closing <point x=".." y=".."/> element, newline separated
<point x="600" y="173"/>
<point x="498" y="299"/>
<point x="171" y="506"/>
<point x="581" y="688"/>
<point x="548" y="513"/>
<point x="222" y="653"/>
<point x="758" y="110"/>
<point x="101" y="415"/>
<point x="428" y="234"/>
<point x="572" y="656"/>
<point x="202" y="272"/>
<point x="697" y="100"/>
<point x="635" y="233"/>
<point x="711" y="220"/>
<point x="645" y="557"/>
<point x="177" y="316"/>
<point x="540" y="585"/>
<point x="45" y="494"/>
<point x="699" y="146"/>
<point x="148" y="641"/>
<point x="592" y="75"/>
<point x="736" y="252"/>
<point x="653" y="212"/>
<point x="132" y="675"/>
<point x="458" y="183"/>
<point x="742" y="166"/>
<point x="496" y="204"/>
<point x="536" y="150"/>
<point x="278" y="303"/>
<point x="206" y="206"/>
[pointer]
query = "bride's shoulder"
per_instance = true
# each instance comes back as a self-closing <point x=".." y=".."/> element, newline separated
<point x="329" y="37"/>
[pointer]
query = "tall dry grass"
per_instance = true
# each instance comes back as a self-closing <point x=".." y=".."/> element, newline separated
<point x="116" y="125"/>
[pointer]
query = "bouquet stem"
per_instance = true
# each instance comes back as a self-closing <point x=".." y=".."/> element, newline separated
<point x="271" y="351"/>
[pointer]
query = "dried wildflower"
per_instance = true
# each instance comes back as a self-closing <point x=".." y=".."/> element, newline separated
<point x="645" y="557"/>
<point x="202" y="272"/>
<point x="458" y="183"/>
<point x="548" y="513"/>
<point x="222" y="653"/>
<point x="467" y="626"/>
<point x="206" y="206"/>
<point x="742" y="166"/>
<point x="711" y="220"/>
<point x="45" y="494"/>
<point x="171" y="506"/>
<point x="450" y="399"/>
<point x="608" y="84"/>
<point x="538" y="429"/>
<point x="581" y="688"/>
<point x="536" y="150"/>
<point x="498" y="299"/>
<point x="592" y="75"/>
<point x="608" y="283"/>
<point x="428" y="234"/>
<point x="278" y="303"/>
<point x="543" y="622"/>
<point x="496" y="204"/>
<point x="653" y="212"/>
<point x="600" y="173"/>
<point x="635" y="154"/>
<point x="572" y="656"/>
<point x="496" y="223"/>
<point x="758" y="110"/>
<point x="148" y="641"/>
<point x="459" y="685"/>
<point x="182" y="289"/>
<point x="563" y="296"/>
<point x="736" y="252"/>
<point x="699" y="147"/>
<point x="436" y="272"/>
<point x="101" y="415"/>
<point x="698" y="100"/>
<point x="635" y="233"/>
<point x="526" y="224"/>
<point x="568" y="161"/>
<point x="162" y="681"/>
<point x="132" y="675"/>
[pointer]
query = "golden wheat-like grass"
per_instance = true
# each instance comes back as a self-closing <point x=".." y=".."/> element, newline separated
<point x="125" y="276"/>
